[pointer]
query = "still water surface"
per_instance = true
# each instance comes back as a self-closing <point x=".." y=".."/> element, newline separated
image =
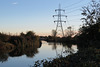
<point x="46" y="51"/>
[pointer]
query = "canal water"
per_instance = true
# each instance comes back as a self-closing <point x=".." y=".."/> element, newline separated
<point x="27" y="58"/>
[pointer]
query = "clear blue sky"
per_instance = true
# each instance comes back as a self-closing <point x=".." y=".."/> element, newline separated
<point x="36" y="15"/>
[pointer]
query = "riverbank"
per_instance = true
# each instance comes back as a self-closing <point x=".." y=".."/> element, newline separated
<point x="85" y="57"/>
<point x="68" y="39"/>
<point x="88" y="57"/>
<point x="11" y="42"/>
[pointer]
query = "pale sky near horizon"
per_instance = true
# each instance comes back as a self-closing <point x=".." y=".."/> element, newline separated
<point x="18" y="16"/>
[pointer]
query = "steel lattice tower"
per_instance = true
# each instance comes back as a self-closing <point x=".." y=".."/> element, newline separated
<point x="59" y="19"/>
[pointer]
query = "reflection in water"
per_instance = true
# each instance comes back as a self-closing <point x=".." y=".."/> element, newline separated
<point x="28" y="50"/>
<point x="3" y="56"/>
<point x="28" y="54"/>
<point x="66" y="49"/>
<point x="74" y="48"/>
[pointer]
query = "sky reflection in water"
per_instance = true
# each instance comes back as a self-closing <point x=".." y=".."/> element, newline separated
<point x="47" y="50"/>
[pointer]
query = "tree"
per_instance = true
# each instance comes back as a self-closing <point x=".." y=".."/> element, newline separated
<point x="91" y="13"/>
<point x="91" y="25"/>
<point x="54" y="33"/>
<point x="69" y="31"/>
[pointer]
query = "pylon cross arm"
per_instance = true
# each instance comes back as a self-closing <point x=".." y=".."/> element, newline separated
<point x="59" y="21"/>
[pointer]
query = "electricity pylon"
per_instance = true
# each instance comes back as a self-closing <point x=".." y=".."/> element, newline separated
<point x="59" y="20"/>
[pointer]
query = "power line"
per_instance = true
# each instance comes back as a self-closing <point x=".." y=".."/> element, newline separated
<point x="74" y="4"/>
<point x="74" y="19"/>
<point x="68" y="21"/>
<point x="72" y="11"/>
<point x="75" y="7"/>
<point x="75" y="15"/>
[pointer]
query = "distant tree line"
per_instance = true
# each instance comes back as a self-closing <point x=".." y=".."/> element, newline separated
<point x="25" y="40"/>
